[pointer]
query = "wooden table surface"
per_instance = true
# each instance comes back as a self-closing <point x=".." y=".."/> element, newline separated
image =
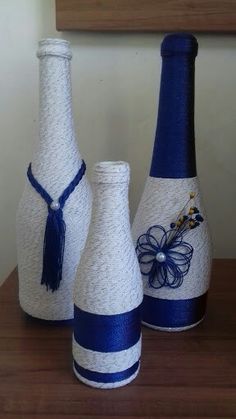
<point x="187" y="374"/>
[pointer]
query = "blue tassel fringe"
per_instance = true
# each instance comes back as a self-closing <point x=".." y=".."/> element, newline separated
<point x="53" y="252"/>
<point x="55" y="230"/>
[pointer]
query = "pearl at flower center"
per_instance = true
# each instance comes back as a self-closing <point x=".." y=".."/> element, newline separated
<point x="160" y="257"/>
<point x="55" y="205"/>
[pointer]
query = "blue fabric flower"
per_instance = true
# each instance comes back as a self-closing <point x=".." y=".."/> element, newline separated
<point x="164" y="256"/>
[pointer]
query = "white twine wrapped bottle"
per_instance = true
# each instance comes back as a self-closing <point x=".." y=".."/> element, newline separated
<point x="54" y="212"/>
<point x="108" y="288"/>
<point x="170" y="229"/>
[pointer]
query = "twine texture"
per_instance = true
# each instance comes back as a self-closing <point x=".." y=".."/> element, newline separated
<point x="160" y="204"/>
<point x="55" y="163"/>
<point x="170" y="229"/>
<point x="108" y="287"/>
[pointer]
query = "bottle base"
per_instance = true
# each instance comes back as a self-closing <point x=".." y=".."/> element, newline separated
<point x="106" y="386"/>
<point x="65" y="322"/>
<point x="173" y="329"/>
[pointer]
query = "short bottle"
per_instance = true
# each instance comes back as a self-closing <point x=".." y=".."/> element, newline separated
<point x="108" y="289"/>
<point x="54" y="212"/>
<point x="170" y="228"/>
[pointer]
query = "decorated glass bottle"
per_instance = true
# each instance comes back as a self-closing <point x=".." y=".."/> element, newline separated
<point x="54" y="212"/>
<point x="108" y="288"/>
<point x="170" y="229"/>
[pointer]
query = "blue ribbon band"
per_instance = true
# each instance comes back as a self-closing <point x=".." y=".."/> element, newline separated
<point x="173" y="313"/>
<point x="108" y="377"/>
<point x="104" y="333"/>
<point x="174" y="147"/>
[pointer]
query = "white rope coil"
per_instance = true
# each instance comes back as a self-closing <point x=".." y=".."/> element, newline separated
<point x="104" y="385"/>
<point x="108" y="278"/>
<point x="160" y="204"/>
<point x="54" y="47"/>
<point x="55" y="163"/>
<point x="106" y="361"/>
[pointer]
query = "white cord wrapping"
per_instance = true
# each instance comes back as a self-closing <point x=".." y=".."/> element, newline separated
<point x="108" y="278"/>
<point x="161" y="202"/>
<point x="55" y="162"/>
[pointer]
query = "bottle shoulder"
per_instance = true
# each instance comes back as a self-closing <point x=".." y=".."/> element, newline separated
<point x="108" y="279"/>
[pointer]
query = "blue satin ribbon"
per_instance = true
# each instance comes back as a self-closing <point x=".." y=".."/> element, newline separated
<point x="101" y="377"/>
<point x="173" y="313"/>
<point x="105" y="333"/>
<point x="174" y="148"/>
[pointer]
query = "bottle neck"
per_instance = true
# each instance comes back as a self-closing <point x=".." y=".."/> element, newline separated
<point x="110" y="215"/>
<point x="56" y="159"/>
<point x="55" y="113"/>
<point x="111" y="208"/>
<point x="174" y="147"/>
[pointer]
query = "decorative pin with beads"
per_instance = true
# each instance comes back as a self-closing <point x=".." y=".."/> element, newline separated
<point x="164" y="256"/>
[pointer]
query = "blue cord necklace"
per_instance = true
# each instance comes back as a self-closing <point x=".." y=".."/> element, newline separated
<point x="54" y="237"/>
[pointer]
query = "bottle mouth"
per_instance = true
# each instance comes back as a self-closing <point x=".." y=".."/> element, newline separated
<point x="111" y="172"/>
<point x="54" y="46"/>
<point x="179" y="44"/>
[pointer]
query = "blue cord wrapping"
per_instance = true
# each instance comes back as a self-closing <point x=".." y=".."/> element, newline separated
<point x="54" y="237"/>
<point x="178" y="253"/>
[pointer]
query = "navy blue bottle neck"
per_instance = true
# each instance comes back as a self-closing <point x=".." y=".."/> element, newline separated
<point x="174" y="147"/>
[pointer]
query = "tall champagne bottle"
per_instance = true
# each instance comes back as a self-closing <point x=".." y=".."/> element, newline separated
<point x="54" y="212"/>
<point x="170" y="229"/>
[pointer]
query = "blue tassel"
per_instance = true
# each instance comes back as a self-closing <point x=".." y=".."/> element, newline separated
<point x="53" y="252"/>
<point x="55" y="230"/>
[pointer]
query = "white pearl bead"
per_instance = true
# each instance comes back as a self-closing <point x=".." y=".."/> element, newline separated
<point x="160" y="257"/>
<point x="55" y="205"/>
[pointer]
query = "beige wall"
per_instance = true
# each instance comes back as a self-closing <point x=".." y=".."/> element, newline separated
<point x="115" y="87"/>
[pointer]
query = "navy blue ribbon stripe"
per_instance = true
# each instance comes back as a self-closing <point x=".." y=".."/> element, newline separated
<point x="108" y="377"/>
<point x="173" y="313"/>
<point x="174" y="147"/>
<point x="104" y="333"/>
